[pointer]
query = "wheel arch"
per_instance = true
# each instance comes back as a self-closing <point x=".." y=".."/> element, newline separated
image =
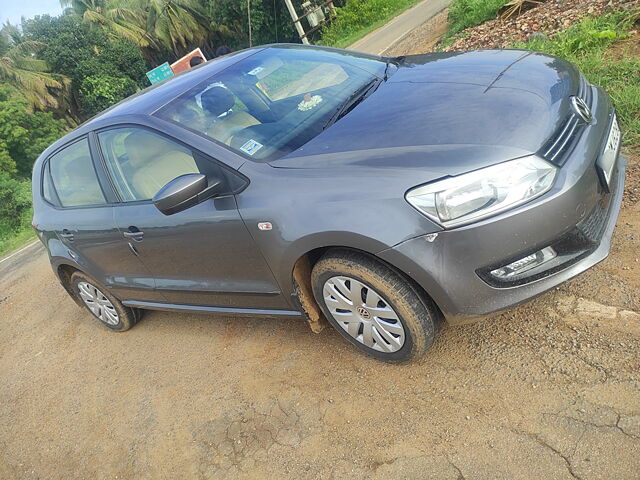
<point x="303" y="291"/>
<point x="64" y="271"/>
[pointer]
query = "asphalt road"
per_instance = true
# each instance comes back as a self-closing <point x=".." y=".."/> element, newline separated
<point x="384" y="38"/>
<point x="17" y="259"/>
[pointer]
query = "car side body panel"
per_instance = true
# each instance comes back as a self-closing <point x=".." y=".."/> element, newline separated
<point x="311" y="209"/>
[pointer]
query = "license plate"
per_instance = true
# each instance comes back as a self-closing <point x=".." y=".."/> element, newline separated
<point x="607" y="160"/>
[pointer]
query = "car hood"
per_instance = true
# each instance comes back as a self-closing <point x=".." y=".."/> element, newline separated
<point x="449" y="113"/>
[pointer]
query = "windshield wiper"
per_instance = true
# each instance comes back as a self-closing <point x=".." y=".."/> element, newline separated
<point x="355" y="98"/>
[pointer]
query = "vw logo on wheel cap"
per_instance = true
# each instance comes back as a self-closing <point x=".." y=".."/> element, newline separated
<point x="581" y="109"/>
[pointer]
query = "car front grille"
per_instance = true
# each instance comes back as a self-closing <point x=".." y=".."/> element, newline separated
<point x="559" y="146"/>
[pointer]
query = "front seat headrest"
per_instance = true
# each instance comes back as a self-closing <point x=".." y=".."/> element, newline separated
<point x="217" y="100"/>
<point x="142" y="146"/>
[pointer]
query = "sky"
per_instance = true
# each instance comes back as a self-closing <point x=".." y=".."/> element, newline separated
<point x="12" y="10"/>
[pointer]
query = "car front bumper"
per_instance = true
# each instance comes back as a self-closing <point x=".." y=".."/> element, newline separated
<point x="447" y="268"/>
<point x="577" y="218"/>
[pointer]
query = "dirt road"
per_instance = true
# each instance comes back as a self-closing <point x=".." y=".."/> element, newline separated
<point x="548" y="390"/>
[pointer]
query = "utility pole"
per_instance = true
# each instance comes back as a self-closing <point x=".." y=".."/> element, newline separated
<point x="296" y="21"/>
<point x="249" y="18"/>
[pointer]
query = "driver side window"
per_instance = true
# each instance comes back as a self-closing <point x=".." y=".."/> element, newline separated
<point x="142" y="162"/>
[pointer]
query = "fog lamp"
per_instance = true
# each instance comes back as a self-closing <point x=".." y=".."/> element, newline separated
<point x="524" y="264"/>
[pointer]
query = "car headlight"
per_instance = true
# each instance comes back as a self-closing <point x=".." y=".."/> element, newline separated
<point x="469" y="197"/>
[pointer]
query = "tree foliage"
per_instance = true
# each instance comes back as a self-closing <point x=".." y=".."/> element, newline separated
<point x="270" y="22"/>
<point x="23" y="134"/>
<point x="21" y="67"/>
<point x="99" y="92"/>
<point x="84" y="55"/>
<point x="15" y="201"/>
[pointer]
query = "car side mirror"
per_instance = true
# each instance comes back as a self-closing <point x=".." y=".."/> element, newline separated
<point x="186" y="191"/>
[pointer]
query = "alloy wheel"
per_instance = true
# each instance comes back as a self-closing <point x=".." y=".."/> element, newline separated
<point x="364" y="314"/>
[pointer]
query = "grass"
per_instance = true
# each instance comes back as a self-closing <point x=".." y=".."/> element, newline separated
<point x="468" y="13"/>
<point x="12" y="239"/>
<point x="360" y="17"/>
<point x="588" y="46"/>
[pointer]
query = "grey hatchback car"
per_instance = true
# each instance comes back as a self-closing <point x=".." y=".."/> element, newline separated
<point x="385" y="195"/>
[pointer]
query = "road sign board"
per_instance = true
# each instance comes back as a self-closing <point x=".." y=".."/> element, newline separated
<point x="160" y="73"/>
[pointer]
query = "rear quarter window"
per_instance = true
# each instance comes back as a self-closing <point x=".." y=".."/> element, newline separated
<point x="70" y="179"/>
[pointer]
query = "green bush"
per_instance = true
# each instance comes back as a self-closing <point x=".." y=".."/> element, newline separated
<point x="15" y="202"/>
<point x="23" y="134"/>
<point x="468" y="13"/>
<point x="99" y="92"/>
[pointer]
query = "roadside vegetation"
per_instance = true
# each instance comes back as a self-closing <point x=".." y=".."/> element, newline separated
<point x="588" y="45"/>
<point x="357" y="18"/>
<point x="15" y="212"/>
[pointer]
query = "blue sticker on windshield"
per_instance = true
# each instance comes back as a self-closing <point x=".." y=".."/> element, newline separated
<point x="251" y="147"/>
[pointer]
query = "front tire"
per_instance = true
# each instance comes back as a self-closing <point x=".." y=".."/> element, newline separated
<point x="102" y="305"/>
<point x="374" y="307"/>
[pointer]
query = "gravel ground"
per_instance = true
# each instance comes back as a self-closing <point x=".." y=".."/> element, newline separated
<point x="548" y="18"/>
<point x="546" y="390"/>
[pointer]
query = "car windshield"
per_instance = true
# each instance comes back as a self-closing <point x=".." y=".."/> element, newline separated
<point x="273" y="102"/>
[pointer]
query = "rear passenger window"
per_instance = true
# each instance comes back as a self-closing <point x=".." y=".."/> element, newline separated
<point x="70" y="179"/>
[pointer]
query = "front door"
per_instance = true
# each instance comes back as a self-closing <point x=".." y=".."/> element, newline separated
<point x="201" y="256"/>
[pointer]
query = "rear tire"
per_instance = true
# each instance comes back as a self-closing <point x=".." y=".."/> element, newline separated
<point x="102" y="305"/>
<point x="374" y="307"/>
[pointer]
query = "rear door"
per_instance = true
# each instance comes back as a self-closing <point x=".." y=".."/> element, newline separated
<point x="201" y="256"/>
<point x="82" y="216"/>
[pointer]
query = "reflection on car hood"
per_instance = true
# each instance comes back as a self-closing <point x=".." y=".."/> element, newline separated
<point x="449" y="112"/>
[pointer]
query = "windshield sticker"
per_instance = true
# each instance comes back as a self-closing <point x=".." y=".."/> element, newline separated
<point x="255" y="71"/>
<point x="251" y="147"/>
<point x="309" y="101"/>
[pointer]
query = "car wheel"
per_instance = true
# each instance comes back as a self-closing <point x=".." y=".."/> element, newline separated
<point x="374" y="307"/>
<point x="102" y="305"/>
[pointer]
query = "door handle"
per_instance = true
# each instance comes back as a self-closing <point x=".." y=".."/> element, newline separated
<point x="66" y="234"/>
<point x="134" y="233"/>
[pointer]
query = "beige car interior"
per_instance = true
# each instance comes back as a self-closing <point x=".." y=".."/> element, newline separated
<point x="218" y="103"/>
<point x="154" y="161"/>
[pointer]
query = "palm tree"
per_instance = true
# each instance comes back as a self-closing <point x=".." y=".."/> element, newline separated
<point x="157" y="26"/>
<point x="176" y="24"/>
<point x="120" y="21"/>
<point x="30" y="75"/>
